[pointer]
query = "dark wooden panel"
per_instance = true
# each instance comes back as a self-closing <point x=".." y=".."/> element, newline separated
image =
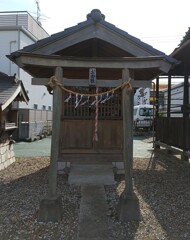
<point x="109" y="134"/>
<point x="76" y="134"/>
<point x="91" y="158"/>
<point x="170" y="131"/>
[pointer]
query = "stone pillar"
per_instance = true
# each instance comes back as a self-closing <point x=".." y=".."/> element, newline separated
<point x="51" y="207"/>
<point x="129" y="203"/>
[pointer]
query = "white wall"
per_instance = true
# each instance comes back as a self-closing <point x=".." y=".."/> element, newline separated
<point x="9" y="43"/>
<point x="13" y="40"/>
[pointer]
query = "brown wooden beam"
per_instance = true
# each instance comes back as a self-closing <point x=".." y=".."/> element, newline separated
<point x="127" y="99"/>
<point x="126" y="62"/>
<point x="84" y="82"/>
<point x="57" y="107"/>
<point x="169" y="97"/>
<point x="185" y="115"/>
<point x="51" y="206"/>
<point x="128" y="203"/>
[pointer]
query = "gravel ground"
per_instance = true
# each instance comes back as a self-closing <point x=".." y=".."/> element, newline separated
<point x="23" y="184"/>
<point x="162" y="185"/>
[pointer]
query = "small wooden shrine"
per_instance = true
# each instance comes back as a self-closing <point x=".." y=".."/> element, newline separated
<point x="11" y="90"/>
<point x="92" y="69"/>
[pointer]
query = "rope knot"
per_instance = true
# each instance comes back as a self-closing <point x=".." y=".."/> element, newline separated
<point x="128" y="85"/>
<point x="52" y="82"/>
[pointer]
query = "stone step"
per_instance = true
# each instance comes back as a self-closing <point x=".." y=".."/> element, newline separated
<point x="93" y="222"/>
<point x="91" y="174"/>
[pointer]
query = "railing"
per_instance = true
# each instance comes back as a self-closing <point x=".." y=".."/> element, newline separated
<point x="8" y="126"/>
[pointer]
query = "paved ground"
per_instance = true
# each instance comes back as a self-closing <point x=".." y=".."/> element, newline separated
<point x="93" y="222"/>
<point x="141" y="149"/>
<point x="33" y="149"/>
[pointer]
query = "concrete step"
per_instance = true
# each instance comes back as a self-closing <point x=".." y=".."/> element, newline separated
<point x="91" y="174"/>
<point x="93" y="223"/>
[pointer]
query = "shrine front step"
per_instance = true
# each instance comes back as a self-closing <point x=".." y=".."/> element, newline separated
<point x="89" y="158"/>
<point x="82" y="174"/>
<point x="93" y="222"/>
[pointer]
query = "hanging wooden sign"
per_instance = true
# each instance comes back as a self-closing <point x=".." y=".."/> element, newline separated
<point x="92" y="76"/>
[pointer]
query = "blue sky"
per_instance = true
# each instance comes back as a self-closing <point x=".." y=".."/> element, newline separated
<point x="160" y="23"/>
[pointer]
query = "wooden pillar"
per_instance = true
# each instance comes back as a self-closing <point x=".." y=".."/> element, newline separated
<point x="156" y="120"/>
<point x="185" y="115"/>
<point x="157" y="97"/>
<point x="129" y="204"/>
<point x="127" y="100"/>
<point x="169" y="97"/>
<point x="57" y="107"/>
<point x="51" y="206"/>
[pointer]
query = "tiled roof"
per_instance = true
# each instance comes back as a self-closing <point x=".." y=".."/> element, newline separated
<point x="185" y="38"/>
<point x="92" y="18"/>
<point x="11" y="89"/>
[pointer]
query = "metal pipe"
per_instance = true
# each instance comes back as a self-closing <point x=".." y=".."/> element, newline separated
<point x="10" y="50"/>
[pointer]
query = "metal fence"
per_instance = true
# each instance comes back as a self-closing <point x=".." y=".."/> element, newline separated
<point x="33" y="122"/>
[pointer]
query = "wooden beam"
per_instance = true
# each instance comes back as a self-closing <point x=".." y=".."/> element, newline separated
<point x="128" y="62"/>
<point x="173" y="149"/>
<point x="157" y="97"/>
<point x="141" y="84"/>
<point x="169" y="97"/>
<point x="127" y="99"/>
<point x="84" y="82"/>
<point x="128" y="208"/>
<point x="57" y="107"/>
<point x="185" y="112"/>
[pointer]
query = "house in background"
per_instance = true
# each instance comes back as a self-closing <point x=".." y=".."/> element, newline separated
<point x="17" y="30"/>
<point x="173" y="132"/>
<point x="11" y="91"/>
<point x="176" y="108"/>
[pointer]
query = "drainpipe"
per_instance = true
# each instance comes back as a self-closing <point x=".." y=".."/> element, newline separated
<point x="10" y="50"/>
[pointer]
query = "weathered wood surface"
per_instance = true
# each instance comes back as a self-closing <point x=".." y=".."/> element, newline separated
<point x="127" y="99"/>
<point x="91" y="32"/>
<point x="128" y="62"/>
<point x="57" y="108"/>
<point x="77" y="135"/>
<point x="170" y="131"/>
<point x="85" y="83"/>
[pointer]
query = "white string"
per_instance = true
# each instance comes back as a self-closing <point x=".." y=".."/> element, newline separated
<point x="69" y="97"/>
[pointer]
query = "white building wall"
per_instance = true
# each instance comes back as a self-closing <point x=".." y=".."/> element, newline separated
<point x="13" y="40"/>
<point x="9" y="43"/>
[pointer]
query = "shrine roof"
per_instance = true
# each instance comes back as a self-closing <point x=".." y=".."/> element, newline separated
<point x="11" y="89"/>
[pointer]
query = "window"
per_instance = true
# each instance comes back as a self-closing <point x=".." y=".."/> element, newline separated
<point x="109" y="106"/>
<point x="35" y="106"/>
<point x="43" y="107"/>
<point x="49" y="108"/>
<point x="146" y="112"/>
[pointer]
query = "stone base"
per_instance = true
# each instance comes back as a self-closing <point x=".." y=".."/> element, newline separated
<point x="63" y="167"/>
<point x="7" y="156"/>
<point x="128" y="209"/>
<point x="50" y="209"/>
